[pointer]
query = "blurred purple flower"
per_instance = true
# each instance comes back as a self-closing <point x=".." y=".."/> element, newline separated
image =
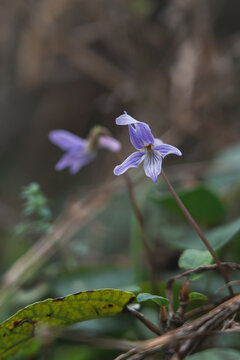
<point x="80" y="152"/>
<point x="150" y="151"/>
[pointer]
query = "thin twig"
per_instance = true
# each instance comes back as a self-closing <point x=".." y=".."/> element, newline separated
<point x="198" y="231"/>
<point x="144" y="320"/>
<point x="203" y="268"/>
<point x="232" y="283"/>
<point x="200" y="310"/>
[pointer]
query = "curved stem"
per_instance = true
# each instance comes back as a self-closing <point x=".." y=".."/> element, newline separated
<point x="198" y="231"/>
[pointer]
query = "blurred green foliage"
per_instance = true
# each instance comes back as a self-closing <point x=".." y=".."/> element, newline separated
<point x="112" y="246"/>
<point x="203" y="203"/>
<point x="36" y="211"/>
<point x="216" y="354"/>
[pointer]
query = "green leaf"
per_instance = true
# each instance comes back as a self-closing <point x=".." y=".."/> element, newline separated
<point x="204" y="204"/>
<point x="222" y="235"/>
<point x="197" y="296"/>
<point x="216" y="354"/>
<point x="218" y="237"/>
<point x="225" y="168"/>
<point x="157" y="299"/>
<point x="18" y="331"/>
<point x="192" y="258"/>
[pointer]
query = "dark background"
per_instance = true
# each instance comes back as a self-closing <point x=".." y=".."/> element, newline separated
<point x="72" y="64"/>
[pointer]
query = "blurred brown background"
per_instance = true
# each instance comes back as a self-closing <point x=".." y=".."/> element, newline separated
<point x="74" y="63"/>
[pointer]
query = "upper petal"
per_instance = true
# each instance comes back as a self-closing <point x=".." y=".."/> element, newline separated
<point x="125" y="119"/>
<point x="166" y="149"/>
<point x="140" y="132"/>
<point x="144" y="133"/>
<point x="135" y="138"/>
<point x="66" y="140"/>
<point x="109" y="143"/>
<point x="132" y="161"/>
<point x="153" y="164"/>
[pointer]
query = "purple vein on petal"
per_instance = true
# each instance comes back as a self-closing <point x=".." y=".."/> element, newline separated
<point x="166" y="149"/>
<point x="153" y="165"/>
<point x="144" y="133"/>
<point x="134" y="160"/>
<point x="135" y="139"/>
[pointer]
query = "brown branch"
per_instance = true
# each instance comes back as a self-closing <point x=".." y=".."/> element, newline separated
<point x="195" y="332"/>
<point x="200" y="310"/>
<point x="144" y="320"/>
<point x="203" y="268"/>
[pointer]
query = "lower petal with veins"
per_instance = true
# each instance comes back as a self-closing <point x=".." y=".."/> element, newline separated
<point x="153" y="164"/>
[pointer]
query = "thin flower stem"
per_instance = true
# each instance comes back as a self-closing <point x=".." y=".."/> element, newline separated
<point x="140" y="220"/>
<point x="198" y="231"/>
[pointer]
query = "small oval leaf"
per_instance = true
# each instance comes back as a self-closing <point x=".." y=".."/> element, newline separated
<point x="197" y="296"/>
<point x="160" y="300"/>
<point x="192" y="258"/>
<point x="18" y="331"/>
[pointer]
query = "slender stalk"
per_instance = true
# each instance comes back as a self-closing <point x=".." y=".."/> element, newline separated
<point x="140" y="220"/>
<point x="198" y="231"/>
<point x="144" y="320"/>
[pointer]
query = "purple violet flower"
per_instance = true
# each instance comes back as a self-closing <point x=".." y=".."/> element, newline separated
<point x="80" y="152"/>
<point x="150" y="151"/>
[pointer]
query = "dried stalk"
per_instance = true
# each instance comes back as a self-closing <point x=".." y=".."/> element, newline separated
<point x="194" y="332"/>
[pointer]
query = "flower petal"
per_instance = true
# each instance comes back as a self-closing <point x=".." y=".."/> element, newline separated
<point x="66" y="140"/>
<point x="132" y="161"/>
<point x="166" y="149"/>
<point x="158" y="141"/>
<point x="135" y="139"/>
<point x="81" y="161"/>
<point x="153" y="164"/>
<point x="65" y="161"/>
<point x="75" y="161"/>
<point x="125" y="119"/>
<point x="144" y="133"/>
<point x="140" y="133"/>
<point x="109" y="143"/>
